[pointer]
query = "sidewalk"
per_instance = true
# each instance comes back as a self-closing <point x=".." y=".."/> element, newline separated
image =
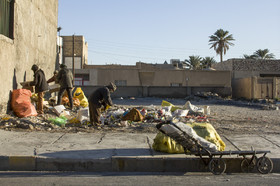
<point x="41" y="151"/>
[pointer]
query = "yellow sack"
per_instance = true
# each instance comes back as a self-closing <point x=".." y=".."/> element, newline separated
<point x="164" y="143"/>
<point x="81" y="96"/>
<point x="208" y="132"/>
<point x="166" y="103"/>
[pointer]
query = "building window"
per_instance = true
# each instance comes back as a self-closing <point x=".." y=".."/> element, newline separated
<point x="120" y="82"/>
<point x="81" y="79"/>
<point x="7" y="18"/>
<point x="176" y="84"/>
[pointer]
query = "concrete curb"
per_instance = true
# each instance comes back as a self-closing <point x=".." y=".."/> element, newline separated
<point x="118" y="164"/>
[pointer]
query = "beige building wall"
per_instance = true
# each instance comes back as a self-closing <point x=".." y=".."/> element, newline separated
<point x="208" y="78"/>
<point x="168" y="77"/>
<point x="105" y="76"/>
<point x="35" y="31"/>
<point x="158" y="77"/>
<point x="243" y="88"/>
<point x="256" y="88"/>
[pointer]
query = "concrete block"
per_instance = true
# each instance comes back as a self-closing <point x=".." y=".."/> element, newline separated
<point x="22" y="163"/>
<point x="55" y="164"/>
<point x="4" y="163"/>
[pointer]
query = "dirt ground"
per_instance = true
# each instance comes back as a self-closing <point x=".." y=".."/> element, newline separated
<point x="226" y="116"/>
<point x="230" y="116"/>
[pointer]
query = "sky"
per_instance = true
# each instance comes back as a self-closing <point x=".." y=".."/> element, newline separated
<point x="153" y="31"/>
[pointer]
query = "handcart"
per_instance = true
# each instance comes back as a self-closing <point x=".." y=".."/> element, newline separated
<point x="215" y="162"/>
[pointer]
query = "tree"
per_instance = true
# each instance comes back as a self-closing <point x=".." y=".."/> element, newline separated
<point x="207" y="62"/>
<point x="194" y="62"/>
<point x="260" y="54"/>
<point x="248" y="56"/>
<point x="220" y="41"/>
<point x="263" y="54"/>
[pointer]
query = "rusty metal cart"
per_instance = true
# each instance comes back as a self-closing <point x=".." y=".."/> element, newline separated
<point x="215" y="162"/>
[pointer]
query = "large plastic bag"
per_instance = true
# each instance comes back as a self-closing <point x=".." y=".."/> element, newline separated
<point x="208" y="132"/>
<point x="204" y="132"/>
<point x="164" y="143"/>
<point x="193" y="108"/>
<point x="21" y="103"/>
<point x="180" y="113"/>
<point x="81" y="96"/>
<point x="166" y="103"/>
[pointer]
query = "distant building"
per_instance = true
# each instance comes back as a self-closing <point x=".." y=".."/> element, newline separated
<point x="243" y="68"/>
<point x="253" y="79"/>
<point x="80" y="51"/>
<point x="156" y="75"/>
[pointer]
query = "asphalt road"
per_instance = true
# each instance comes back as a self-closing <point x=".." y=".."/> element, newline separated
<point x="110" y="178"/>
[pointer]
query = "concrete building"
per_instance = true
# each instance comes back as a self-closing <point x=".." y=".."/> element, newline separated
<point x="165" y="80"/>
<point x="28" y="35"/>
<point x="75" y="47"/>
<point x="243" y="68"/>
<point x="253" y="79"/>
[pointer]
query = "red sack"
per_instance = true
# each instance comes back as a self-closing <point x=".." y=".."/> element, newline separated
<point x="21" y="103"/>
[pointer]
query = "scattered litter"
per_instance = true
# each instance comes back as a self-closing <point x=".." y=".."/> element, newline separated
<point x="60" y="121"/>
<point x="59" y="109"/>
<point x="83" y="114"/>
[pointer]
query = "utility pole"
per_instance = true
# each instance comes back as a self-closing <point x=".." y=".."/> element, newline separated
<point x="73" y="59"/>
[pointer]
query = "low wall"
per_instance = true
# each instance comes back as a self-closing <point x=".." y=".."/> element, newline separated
<point x="256" y="88"/>
<point x="156" y="91"/>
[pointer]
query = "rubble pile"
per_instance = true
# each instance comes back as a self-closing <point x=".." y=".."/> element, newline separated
<point x="203" y="95"/>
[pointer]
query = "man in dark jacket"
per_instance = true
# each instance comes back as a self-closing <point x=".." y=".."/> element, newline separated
<point x="65" y="79"/>
<point x="41" y="85"/>
<point x="100" y="99"/>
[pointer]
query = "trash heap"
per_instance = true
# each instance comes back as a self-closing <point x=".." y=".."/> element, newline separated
<point x="24" y="115"/>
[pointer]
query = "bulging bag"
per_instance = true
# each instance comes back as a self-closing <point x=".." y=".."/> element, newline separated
<point x="21" y="103"/>
<point x="81" y="96"/>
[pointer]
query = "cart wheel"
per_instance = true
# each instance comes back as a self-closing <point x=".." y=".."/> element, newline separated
<point x="264" y="165"/>
<point x="247" y="164"/>
<point x="217" y="166"/>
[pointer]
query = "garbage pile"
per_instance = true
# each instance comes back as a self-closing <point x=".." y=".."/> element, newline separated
<point x="58" y="117"/>
<point x="203" y="95"/>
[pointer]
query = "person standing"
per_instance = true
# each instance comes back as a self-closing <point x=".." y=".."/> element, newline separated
<point x="99" y="99"/>
<point x="41" y="86"/>
<point x="53" y="79"/>
<point x="65" y="79"/>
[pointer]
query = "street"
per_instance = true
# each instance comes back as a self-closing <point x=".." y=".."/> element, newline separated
<point x="112" y="178"/>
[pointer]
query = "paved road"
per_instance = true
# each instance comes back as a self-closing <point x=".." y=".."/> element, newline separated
<point x="135" y="179"/>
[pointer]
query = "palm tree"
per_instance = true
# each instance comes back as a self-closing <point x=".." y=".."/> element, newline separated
<point x="207" y="62"/>
<point x="263" y="54"/>
<point x="220" y="41"/>
<point x="194" y="62"/>
<point x="248" y="56"/>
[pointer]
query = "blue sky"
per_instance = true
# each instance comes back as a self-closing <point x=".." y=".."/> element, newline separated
<point x="152" y="31"/>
